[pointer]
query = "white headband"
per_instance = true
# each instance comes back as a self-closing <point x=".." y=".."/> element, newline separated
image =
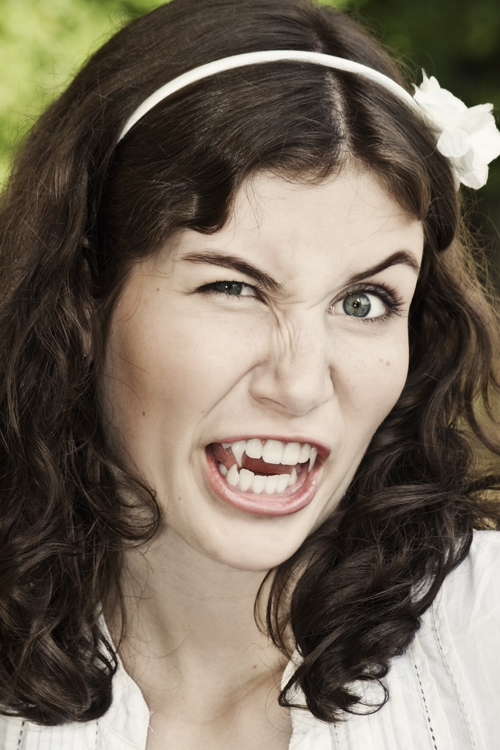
<point x="468" y="137"/>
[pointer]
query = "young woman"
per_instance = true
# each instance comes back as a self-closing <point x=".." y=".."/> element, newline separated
<point x="248" y="383"/>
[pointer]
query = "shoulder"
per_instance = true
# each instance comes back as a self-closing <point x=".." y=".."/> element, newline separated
<point x="466" y="611"/>
<point x="457" y="650"/>
<point x="470" y="596"/>
<point x="12" y="732"/>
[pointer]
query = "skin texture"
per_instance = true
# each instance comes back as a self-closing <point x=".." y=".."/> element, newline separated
<point x="188" y="366"/>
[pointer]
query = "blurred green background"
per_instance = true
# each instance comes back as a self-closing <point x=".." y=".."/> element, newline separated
<point x="44" y="42"/>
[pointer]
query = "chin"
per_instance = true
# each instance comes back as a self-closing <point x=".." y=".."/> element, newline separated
<point x="253" y="558"/>
<point x="250" y="542"/>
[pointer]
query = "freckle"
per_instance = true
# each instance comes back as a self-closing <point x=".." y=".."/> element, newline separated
<point x="388" y="364"/>
<point x="158" y="289"/>
<point x="254" y="666"/>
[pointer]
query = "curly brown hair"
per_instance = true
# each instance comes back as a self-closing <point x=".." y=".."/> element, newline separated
<point x="80" y="211"/>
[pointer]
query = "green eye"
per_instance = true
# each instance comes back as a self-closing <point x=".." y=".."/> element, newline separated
<point x="229" y="287"/>
<point x="358" y="305"/>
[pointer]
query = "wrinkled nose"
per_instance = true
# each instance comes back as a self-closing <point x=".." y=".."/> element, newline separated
<point x="296" y="375"/>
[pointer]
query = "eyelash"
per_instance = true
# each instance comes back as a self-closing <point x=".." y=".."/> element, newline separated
<point x="388" y="295"/>
<point x="210" y="289"/>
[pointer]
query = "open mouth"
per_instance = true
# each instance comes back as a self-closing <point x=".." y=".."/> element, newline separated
<point x="268" y="477"/>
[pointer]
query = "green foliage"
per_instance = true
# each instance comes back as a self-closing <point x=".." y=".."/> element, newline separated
<point x="42" y="45"/>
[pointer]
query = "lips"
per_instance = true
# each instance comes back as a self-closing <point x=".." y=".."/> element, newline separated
<point x="277" y="478"/>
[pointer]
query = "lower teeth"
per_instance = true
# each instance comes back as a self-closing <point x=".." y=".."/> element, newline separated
<point x="247" y="481"/>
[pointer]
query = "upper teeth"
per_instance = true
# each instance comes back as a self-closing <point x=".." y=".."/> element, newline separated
<point x="274" y="452"/>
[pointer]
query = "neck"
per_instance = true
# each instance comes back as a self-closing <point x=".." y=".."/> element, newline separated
<point x="186" y="614"/>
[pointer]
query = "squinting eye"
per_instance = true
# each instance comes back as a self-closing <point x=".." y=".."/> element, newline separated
<point x="361" y="305"/>
<point x="234" y="288"/>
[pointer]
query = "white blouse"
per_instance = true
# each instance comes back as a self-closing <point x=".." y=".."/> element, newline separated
<point x="444" y="690"/>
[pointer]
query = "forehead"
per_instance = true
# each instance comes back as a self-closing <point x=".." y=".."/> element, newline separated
<point x="353" y="192"/>
<point x="350" y="216"/>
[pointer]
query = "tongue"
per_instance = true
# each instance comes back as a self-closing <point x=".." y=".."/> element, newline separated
<point x="257" y="465"/>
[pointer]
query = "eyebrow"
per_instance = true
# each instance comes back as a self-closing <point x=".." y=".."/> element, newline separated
<point x="236" y="264"/>
<point x="271" y="285"/>
<point x="400" y="257"/>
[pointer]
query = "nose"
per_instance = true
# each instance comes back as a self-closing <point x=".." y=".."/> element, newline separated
<point x="296" y="374"/>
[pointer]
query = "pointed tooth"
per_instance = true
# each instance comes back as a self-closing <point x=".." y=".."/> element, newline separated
<point x="223" y="470"/>
<point x="273" y="451"/>
<point x="282" y="482"/>
<point x="238" y="449"/>
<point x="293" y="478"/>
<point x="312" y="460"/>
<point x="270" y="485"/>
<point x="233" y="476"/>
<point x="305" y="452"/>
<point x="246" y="479"/>
<point x="254" y="448"/>
<point x="258" y="484"/>
<point x="226" y="445"/>
<point x="291" y="454"/>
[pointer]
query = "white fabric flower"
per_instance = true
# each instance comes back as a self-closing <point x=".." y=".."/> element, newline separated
<point x="468" y="136"/>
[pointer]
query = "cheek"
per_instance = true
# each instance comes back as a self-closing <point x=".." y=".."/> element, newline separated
<point x="167" y="366"/>
<point x="375" y="375"/>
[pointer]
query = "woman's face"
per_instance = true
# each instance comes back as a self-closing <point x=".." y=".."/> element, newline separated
<point x="285" y="333"/>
